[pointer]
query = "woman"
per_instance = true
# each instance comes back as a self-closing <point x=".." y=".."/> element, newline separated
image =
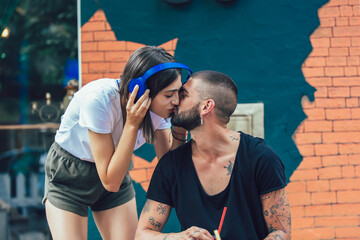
<point x="87" y="166"/>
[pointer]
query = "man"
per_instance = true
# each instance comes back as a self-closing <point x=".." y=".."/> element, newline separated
<point x="220" y="180"/>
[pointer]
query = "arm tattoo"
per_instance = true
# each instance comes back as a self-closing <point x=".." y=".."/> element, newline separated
<point x="154" y="223"/>
<point x="161" y="209"/>
<point x="229" y="168"/>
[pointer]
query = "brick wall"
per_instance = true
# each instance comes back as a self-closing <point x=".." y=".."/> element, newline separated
<point x="102" y="56"/>
<point x="324" y="191"/>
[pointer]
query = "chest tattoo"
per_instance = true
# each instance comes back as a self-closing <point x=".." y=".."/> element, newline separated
<point x="229" y="168"/>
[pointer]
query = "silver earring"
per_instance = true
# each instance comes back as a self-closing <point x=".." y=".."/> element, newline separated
<point x="201" y="121"/>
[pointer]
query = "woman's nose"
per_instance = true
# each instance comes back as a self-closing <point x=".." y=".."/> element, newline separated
<point x="175" y="99"/>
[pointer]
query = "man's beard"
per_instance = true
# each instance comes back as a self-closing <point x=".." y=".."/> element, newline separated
<point x="189" y="119"/>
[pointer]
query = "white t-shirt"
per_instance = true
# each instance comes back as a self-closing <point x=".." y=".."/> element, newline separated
<point x="96" y="106"/>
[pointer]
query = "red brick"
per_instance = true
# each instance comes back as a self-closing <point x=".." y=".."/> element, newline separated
<point x="325" y="12"/>
<point x="353" y="60"/>
<point x="335" y="221"/>
<point x="342" y="21"/>
<point x="87" y="36"/>
<point x="319" y="81"/>
<point x="319" y="52"/>
<point x="138" y="175"/>
<point x="318" y="186"/>
<point x="354" y="21"/>
<point x="112" y="75"/>
<point x="299" y="223"/>
<point x="112" y="46"/>
<point x="355" y="113"/>
<point x="355" y="91"/>
<point x="299" y="199"/>
<point x="92" y="56"/>
<point x="336" y="114"/>
<point x="305" y="138"/>
<point x="350" y="71"/>
<point x="348" y="171"/>
<point x="346" y="11"/>
<point x="350" y="148"/>
<point x="327" y="22"/>
<point x="334" y="71"/>
<point x="339" y="51"/>
<point x="104" y="36"/>
<point x="318" y="210"/>
<point x="85" y="68"/>
<point x="108" y="27"/>
<point x="99" y="15"/>
<point x="310" y="163"/>
<point x="348" y="125"/>
<point x="352" y="2"/>
<point x="341" y="42"/>
<point x="320" y="42"/>
<point x="354" y="159"/>
<point x="336" y="61"/>
<point x="93" y="26"/>
<point x="315" y="62"/>
<point x="313" y="71"/>
<point x="99" y="67"/>
<point x="321" y="92"/>
<point x="117" y="66"/>
<point x="318" y="126"/>
<point x="326" y="149"/>
<point x="330" y="172"/>
<point x="354" y="51"/>
<point x="296" y="187"/>
<point x="117" y="56"/>
<point x="345" y="184"/>
<point x="357" y="171"/>
<point x="352" y="102"/>
<point x="346" y="209"/>
<point x="297" y="211"/>
<point x="348" y="196"/>
<point x="313" y="233"/>
<point x="88" y="46"/>
<point x="339" y="92"/>
<point x="347" y="232"/>
<point x="355" y="41"/>
<point x="346" y="81"/>
<point x="88" y="77"/>
<point x="316" y="114"/>
<point x="330" y="102"/>
<point x="341" y="137"/>
<point x="132" y="46"/>
<point x="145" y="185"/>
<point x="304" y="174"/>
<point x="346" y="31"/>
<point x="339" y="160"/>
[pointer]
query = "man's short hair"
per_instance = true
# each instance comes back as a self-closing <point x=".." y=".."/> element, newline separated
<point x="220" y="88"/>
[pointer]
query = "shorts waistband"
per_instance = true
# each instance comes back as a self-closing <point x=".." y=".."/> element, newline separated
<point x="63" y="153"/>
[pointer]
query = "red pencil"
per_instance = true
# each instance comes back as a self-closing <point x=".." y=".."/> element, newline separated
<point x="222" y="219"/>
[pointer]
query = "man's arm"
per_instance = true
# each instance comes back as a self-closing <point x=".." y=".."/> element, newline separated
<point x="153" y="219"/>
<point x="276" y="210"/>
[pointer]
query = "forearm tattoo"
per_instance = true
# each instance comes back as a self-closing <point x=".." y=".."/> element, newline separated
<point x="146" y="207"/>
<point x="278" y="214"/>
<point x="229" y="168"/>
<point x="154" y="223"/>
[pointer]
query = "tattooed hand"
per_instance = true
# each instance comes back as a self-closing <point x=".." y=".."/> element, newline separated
<point x="193" y="233"/>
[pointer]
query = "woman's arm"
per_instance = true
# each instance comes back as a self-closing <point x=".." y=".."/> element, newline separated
<point x="112" y="163"/>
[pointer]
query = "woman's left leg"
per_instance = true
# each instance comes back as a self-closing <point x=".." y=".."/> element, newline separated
<point x="119" y="222"/>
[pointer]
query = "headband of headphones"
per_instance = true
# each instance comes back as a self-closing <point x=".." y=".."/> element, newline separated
<point x="141" y="81"/>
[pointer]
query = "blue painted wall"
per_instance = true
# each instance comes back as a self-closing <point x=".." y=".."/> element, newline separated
<point x="261" y="44"/>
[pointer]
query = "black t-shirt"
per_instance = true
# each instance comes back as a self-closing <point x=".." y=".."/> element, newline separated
<point x="257" y="170"/>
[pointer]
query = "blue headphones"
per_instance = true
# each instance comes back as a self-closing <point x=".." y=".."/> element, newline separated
<point x="141" y="81"/>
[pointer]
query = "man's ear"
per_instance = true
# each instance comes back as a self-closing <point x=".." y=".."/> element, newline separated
<point x="207" y="106"/>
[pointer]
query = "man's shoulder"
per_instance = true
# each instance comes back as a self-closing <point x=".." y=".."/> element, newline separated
<point x="177" y="154"/>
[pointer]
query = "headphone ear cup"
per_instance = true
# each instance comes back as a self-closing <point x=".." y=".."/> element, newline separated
<point x="141" y="84"/>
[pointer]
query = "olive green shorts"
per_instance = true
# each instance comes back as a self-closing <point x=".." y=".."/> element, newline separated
<point x="74" y="185"/>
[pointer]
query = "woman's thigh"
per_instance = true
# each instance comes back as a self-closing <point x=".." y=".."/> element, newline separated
<point x="119" y="222"/>
<point x="65" y="225"/>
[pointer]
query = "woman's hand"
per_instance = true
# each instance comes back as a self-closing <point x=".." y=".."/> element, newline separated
<point x="135" y="112"/>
